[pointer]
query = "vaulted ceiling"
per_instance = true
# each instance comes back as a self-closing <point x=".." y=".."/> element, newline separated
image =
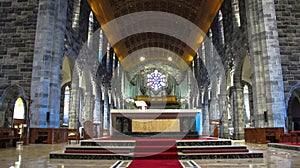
<point x="162" y="34"/>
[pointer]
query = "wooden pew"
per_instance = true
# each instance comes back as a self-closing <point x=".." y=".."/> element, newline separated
<point x="263" y="135"/>
<point x="8" y="137"/>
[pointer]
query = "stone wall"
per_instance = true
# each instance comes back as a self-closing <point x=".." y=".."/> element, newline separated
<point x="17" y="34"/>
<point x="288" y="18"/>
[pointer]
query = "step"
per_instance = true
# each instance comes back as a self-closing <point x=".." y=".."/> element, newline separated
<point x="203" y="142"/>
<point x="90" y="156"/>
<point x="83" y="151"/>
<point x="155" y="149"/>
<point x="104" y="143"/>
<point x="206" y="156"/>
<point x="230" y="147"/>
<point x="214" y="150"/>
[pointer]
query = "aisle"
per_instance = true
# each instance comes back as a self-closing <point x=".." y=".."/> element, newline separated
<point x="155" y="153"/>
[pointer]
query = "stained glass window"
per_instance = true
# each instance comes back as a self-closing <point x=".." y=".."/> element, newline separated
<point x="66" y="106"/>
<point x="19" y="109"/>
<point x="156" y="80"/>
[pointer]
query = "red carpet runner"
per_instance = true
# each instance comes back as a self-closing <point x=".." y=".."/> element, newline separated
<point x="155" y="153"/>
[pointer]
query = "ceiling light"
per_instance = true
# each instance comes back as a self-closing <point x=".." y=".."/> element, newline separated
<point x="142" y="58"/>
<point x="170" y="59"/>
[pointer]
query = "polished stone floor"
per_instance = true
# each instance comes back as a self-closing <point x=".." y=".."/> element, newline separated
<point x="37" y="156"/>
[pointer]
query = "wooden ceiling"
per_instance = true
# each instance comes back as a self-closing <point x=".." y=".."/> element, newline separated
<point x="198" y="13"/>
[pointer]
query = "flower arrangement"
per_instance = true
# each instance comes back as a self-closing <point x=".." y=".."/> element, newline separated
<point x="129" y="103"/>
<point x="182" y="103"/>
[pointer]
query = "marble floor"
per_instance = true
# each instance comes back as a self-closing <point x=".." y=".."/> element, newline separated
<point x="37" y="156"/>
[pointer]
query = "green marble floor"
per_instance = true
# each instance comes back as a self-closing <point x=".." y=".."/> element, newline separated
<point x="37" y="156"/>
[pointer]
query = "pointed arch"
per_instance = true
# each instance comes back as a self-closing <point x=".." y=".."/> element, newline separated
<point x="7" y="103"/>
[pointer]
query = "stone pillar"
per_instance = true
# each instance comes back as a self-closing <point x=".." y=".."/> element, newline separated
<point x="268" y="92"/>
<point x="277" y="105"/>
<point x="97" y="109"/>
<point x="88" y="107"/>
<point x="225" y="126"/>
<point x="74" y="102"/>
<point x="238" y="112"/>
<point x="224" y="131"/>
<point x="106" y="117"/>
<point x="47" y="62"/>
<point x="205" y="116"/>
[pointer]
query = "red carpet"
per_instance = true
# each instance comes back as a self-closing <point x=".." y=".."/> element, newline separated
<point x="155" y="153"/>
<point x="155" y="164"/>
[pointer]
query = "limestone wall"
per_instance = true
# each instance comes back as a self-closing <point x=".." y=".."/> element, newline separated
<point x="17" y="34"/>
<point x="288" y="19"/>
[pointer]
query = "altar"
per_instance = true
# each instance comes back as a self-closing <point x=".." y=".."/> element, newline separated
<point x="148" y="122"/>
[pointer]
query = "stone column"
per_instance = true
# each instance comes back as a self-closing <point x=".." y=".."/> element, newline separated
<point x="74" y="100"/>
<point x="224" y="131"/>
<point x="88" y="107"/>
<point x="46" y="71"/>
<point x="268" y="92"/>
<point x="106" y="116"/>
<point x="97" y="109"/>
<point x="205" y="116"/>
<point x="238" y="112"/>
<point x="225" y="126"/>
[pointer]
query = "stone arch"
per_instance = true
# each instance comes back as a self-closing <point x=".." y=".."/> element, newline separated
<point x="74" y="98"/>
<point x="241" y="61"/>
<point x="241" y="65"/>
<point x="63" y="99"/>
<point x="293" y="106"/>
<point x="67" y="73"/>
<point x="7" y="100"/>
<point x="291" y="92"/>
<point x="246" y="80"/>
<point x="246" y="70"/>
<point x="248" y="103"/>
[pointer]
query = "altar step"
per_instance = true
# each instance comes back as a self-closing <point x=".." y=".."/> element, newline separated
<point x="99" y="150"/>
<point x="223" y="155"/>
<point x="213" y="149"/>
<point x="155" y="135"/>
<point x="156" y="148"/>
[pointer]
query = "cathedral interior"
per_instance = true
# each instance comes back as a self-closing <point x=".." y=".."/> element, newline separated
<point x="75" y="64"/>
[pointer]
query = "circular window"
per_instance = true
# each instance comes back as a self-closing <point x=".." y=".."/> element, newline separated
<point x="156" y="80"/>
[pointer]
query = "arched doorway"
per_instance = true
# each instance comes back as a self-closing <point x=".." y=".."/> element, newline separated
<point x="294" y="112"/>
<point x="247" y="92"/>
<point x="295" y="109"/>
<point x="65" y="104"/>
<point x="13" y="104"/>
<point x="65" y="91"/>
